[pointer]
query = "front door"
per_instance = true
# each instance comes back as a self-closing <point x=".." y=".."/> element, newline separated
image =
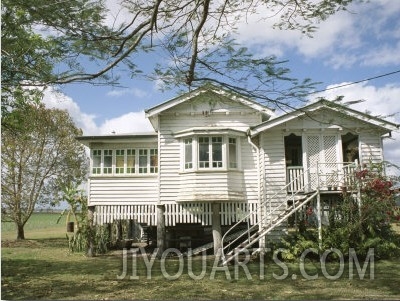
<point x="321" y="158"/>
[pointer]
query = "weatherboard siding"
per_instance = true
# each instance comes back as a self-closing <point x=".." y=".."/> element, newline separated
<point x="123" y="190"/>
<point x="370" y="147"/>
<point x="222" y="185"/>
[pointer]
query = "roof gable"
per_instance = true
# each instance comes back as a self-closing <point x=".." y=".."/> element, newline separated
<point x="210" y="92"/>
<point x="335" y="108"/>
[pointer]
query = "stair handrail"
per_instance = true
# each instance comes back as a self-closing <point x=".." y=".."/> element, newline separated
<point x="271" y="213"/>
<point x="259" y="207"/>
<point x="271" y="226"/>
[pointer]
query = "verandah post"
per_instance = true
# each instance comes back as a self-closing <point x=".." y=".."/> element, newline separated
<point x="160" y="230"/>
<point x="216" y="228"/>
<point x="319" y="210"/>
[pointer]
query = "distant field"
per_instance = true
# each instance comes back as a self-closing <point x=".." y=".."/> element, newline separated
<point x="40" y="225"/>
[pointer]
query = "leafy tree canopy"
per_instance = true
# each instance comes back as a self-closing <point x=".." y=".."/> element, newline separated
<point x="50" y="42"/>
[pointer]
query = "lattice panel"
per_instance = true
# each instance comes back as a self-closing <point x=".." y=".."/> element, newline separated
<point x="330" y="149"/>
<point x="312" y="150"/>
<point x="330" y="156"/>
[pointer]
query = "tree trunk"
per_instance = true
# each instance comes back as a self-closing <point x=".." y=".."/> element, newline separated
<point x="20" y="231"/>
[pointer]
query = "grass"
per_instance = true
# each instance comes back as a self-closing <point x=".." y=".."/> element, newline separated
<point x="40" y="225"/>
<point x="43" y="268"/>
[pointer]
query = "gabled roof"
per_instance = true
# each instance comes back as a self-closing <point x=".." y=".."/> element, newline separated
<point x="385" y="125"/>
<point x="151" y="113"/>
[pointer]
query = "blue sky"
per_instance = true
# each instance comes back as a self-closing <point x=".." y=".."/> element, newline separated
<point x="350" y="46"/>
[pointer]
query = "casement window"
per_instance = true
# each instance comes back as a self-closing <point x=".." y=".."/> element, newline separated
<point x="232" y="153"/>
<point x="130" y="161"/>
<point x="143" y="160"/>
<point x="188" y="144"/>
<point x="124" y="161"/>
<point x="120" y="161"/>
<point x="153" y="160"/>
<point x="107" y="161"/>
<point x="216" y="150"/>
<point x="210" y="152"/>
<point x="204" y="152"/>
<point x="96" y="161"/>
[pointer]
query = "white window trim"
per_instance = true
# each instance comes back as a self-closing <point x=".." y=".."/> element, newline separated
<point x="225" y="154"/>
<point x="113" y="165"/>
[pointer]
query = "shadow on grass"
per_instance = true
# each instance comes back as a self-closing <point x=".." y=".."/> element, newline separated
<point x="36" y="243"/>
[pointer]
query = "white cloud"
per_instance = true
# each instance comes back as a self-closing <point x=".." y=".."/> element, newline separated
<point x="55" y="99"/>
<point x="131" y="91"/>
<point x="117" y="14"/>
<point x="382" y="101"/>
<point x="128" y="123"/>
<point x="386" y="55"/>
<point x="344" y="39"/>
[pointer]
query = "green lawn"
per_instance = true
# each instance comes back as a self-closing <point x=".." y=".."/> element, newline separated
<point x="40" y="225"/>
<point x="44" y="269"/>
<point x="41" y="267"/>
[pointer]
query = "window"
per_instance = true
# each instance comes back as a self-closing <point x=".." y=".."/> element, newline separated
<point x="143" y="160"/>
<point x="124" y="161"/>
<point x="96" y="159"/>
<point x="188" y="153"/>
<point x="232" y="153"/>
<point x="210" y="152"/>
<point x="216" y="147"/>
<point x="119" y="161"/>
<point x="130" y="161"/>
<point x="107" y="163"/>
<point x="204" y="152"/>
<point x="153" y="160"/>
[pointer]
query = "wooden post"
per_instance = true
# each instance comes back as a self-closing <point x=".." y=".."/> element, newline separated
<point x="130" y="229"/>
<point x="319" y="211"/>
<point x="160" y="230"/>
<point x="91" y="232"/>
<point x="216" y="228"/>
<point x="118" y="230"/>
<point x="319" y="219"/>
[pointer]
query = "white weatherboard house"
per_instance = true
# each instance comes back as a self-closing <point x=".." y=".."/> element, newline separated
<point x="217" y="160"/>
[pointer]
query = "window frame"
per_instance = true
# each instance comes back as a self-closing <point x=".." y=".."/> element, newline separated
<point x="151" y="168"/>
<point x="210" y="164"/>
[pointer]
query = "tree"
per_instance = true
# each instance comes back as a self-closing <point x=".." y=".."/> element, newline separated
<point x="196" y="36"/>
<point x="39" y="156"/>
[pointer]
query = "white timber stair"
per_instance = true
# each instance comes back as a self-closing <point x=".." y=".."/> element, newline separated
<point x="273" y="222"/>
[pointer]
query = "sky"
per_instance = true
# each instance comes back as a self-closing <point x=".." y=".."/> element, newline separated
<point x="350" y="46"/>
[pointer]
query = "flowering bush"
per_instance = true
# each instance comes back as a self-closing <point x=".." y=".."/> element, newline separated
<point x="358" y="223"/>
<point x="366" y="223"/>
